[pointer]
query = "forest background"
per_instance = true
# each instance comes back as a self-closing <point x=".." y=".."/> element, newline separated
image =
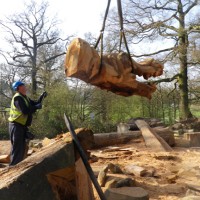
<point x="168" y="31"/>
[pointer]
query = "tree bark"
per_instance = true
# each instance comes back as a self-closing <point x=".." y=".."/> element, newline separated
<point x="183" y="78"/>
<point x="114" y="73"/>
<point x="107" y="139"/>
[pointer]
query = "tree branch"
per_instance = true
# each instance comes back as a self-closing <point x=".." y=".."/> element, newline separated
<point x="150" y="54"/>
<point x="191" y="6"/>
<point x="53" y="57"/>
<point x="164" y="80"/>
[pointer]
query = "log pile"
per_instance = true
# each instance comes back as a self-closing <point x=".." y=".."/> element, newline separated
<point x="114" y="73"/>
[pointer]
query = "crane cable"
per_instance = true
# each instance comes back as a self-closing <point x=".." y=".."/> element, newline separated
<point x="102" y="31"/>
<point x="122" y="34"/>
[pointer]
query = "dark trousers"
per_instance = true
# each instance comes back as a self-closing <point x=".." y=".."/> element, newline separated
<point x="18" y="142"/>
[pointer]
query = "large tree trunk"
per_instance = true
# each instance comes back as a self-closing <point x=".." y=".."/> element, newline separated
<point x="183" y="86"/>
<point x="28" y="179"/>
<point x="114" y="138"/>
<point x="108" y="139"/>
<point x="183" y="78"/>
<point x="34" y="82"/>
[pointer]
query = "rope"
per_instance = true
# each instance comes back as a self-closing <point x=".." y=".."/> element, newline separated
<point x="101" y="52"/>
<point x="101" y="35"/>
<point x="119" y="6"/>
<point x="122" y="34"/>
<point x="103" y="26"/>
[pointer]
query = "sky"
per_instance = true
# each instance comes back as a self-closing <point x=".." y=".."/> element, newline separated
<point x="77" y="16"/>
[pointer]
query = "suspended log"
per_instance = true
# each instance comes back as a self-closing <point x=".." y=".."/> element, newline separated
<point x="114" y="74"/>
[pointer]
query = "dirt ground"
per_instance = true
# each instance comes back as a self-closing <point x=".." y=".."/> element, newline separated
<point x="176" y="173"/>
<point x="4" y="147"/>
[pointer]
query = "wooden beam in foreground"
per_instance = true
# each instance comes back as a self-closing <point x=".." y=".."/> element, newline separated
<point x="83" y="182"/>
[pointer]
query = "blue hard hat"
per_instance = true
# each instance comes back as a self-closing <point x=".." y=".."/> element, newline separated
<point x="16" y="84"/>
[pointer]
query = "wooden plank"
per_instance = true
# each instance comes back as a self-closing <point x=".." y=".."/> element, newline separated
<point x="83" y="182"/>
<point x="152" y="140"/>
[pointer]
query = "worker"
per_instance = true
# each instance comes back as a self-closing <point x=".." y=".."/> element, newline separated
<point x="21" y="111"/>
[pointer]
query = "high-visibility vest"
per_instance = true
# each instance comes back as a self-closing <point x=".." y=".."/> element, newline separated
<point x="15" y="114"/>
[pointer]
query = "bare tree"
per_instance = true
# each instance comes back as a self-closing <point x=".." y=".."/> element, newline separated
<point x="170" y="24"/>
<point x="32" y="35"/>
<point x="7" y="76"/>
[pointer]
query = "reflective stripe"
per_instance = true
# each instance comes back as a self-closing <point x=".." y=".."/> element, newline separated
<point x="15" y="114"/>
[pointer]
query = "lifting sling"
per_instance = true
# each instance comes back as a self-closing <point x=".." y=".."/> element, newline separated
<point x="122" y="34"/>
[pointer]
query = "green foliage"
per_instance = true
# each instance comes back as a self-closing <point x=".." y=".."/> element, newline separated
<point x="124" y="108"/>
<point x="96" y="109"/>
<point x="99" y="110"/>
<point x="48" y="121"/>
<point x="86" y="106"/>
<point x="195" y="110"/>
<point x="164" y="105"/>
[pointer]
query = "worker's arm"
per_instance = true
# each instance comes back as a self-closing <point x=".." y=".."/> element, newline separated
<point x="21" y="105"/>
<point x="38" y="103"/>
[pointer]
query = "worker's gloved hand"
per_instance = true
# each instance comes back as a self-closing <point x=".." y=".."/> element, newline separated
<point x="44" y="95"/>
<point x="38" y="106"/>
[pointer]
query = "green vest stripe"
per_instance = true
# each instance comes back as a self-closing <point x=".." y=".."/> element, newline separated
<point x="15" y="114"/>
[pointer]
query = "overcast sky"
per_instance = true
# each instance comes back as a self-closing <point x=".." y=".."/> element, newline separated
<point x="78" y="16"/>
